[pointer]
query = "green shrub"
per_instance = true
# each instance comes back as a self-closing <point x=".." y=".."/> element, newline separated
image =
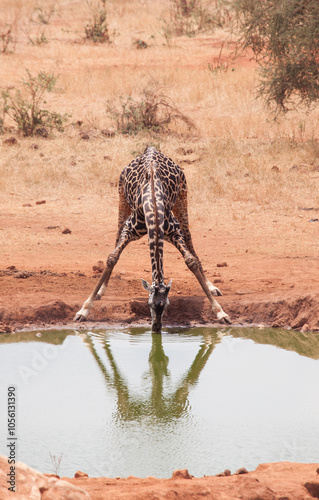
<point x="96" y="29"/>
<point x="25" y="105"/>
<point x="284" y="39"/>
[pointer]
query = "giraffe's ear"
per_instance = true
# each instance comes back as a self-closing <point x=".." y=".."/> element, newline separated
<point x="169" y="285"/>
<point x="146" y="285"/>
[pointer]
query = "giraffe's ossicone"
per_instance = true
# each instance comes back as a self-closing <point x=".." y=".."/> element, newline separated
<point x="153" y="201"/>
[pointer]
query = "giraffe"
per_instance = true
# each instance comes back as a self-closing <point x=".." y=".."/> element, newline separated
<point x="153" y="201"/>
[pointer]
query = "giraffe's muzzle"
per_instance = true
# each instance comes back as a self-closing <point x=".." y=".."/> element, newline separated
<point x="158" y="302"/>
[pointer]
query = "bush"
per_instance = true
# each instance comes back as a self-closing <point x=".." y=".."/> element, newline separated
<point x="24" y="107"/>
<point x="151" y="111"/>
<point x="97" y="30"/>
<point x="284" y="39"/>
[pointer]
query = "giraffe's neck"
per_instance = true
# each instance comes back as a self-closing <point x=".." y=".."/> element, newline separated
<point x="153" y="203"/>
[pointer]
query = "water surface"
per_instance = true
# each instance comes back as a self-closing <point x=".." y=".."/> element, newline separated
<point x="117" y="402"/>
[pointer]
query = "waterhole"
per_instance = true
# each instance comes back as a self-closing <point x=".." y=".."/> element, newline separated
<point x="119" y="402"/>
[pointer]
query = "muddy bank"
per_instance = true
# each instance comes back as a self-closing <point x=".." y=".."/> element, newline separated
<point x="300" y="313"/>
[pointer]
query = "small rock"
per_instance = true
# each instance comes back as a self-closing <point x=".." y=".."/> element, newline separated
<point x="275" y="169"/>
<point x="225" y="473"/>
<point x="242" y="470"/>
<point x="40" y="202"/>
<point x="85" y="137"/>
<point x="66" y="231"/>
<point x="222" y="264"/>
<point x="181" y="474"/>
<point x="80" y="474"/>
<point x="11" y="268"/>
<point x="34" y="146"/>
<point x="99" y="267"/>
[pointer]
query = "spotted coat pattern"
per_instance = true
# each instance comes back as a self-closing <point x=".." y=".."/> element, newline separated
<point x="153" y="201"/>
<point x="149" y="185"/>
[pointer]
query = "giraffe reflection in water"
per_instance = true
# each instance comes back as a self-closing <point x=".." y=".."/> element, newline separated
<point x="159" y="402"/>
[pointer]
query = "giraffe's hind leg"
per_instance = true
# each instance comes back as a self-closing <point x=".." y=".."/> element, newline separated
<point x="192" y="262"/>
<point x="181" y="213"/>
<point x="126" y="236"/>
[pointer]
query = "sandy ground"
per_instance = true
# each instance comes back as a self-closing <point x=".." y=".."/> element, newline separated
<point x="46" y="275"/>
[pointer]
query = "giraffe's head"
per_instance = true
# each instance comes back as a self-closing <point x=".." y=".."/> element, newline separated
<point x="158" y="301"/>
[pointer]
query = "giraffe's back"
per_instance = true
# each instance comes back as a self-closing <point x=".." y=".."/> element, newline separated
<point x="136" y="175"/>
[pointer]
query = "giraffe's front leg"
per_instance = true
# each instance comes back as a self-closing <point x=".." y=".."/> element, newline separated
<point x="83" y="313"/>
<point x="126" y="236"/>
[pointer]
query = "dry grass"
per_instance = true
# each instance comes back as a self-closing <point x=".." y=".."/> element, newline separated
<point x="239" y="156"/>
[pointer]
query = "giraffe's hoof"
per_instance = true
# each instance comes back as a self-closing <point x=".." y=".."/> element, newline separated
<point x="213" y="289"/>
<point x="225" y="320"/>
<point x="97" y="297"/>
<point x="79" y="317"/>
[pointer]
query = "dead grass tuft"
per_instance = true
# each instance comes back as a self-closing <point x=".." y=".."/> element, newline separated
<point x="151" y="111"/>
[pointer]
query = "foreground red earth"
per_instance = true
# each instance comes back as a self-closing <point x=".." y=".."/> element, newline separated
<point x="275" y="481"/>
